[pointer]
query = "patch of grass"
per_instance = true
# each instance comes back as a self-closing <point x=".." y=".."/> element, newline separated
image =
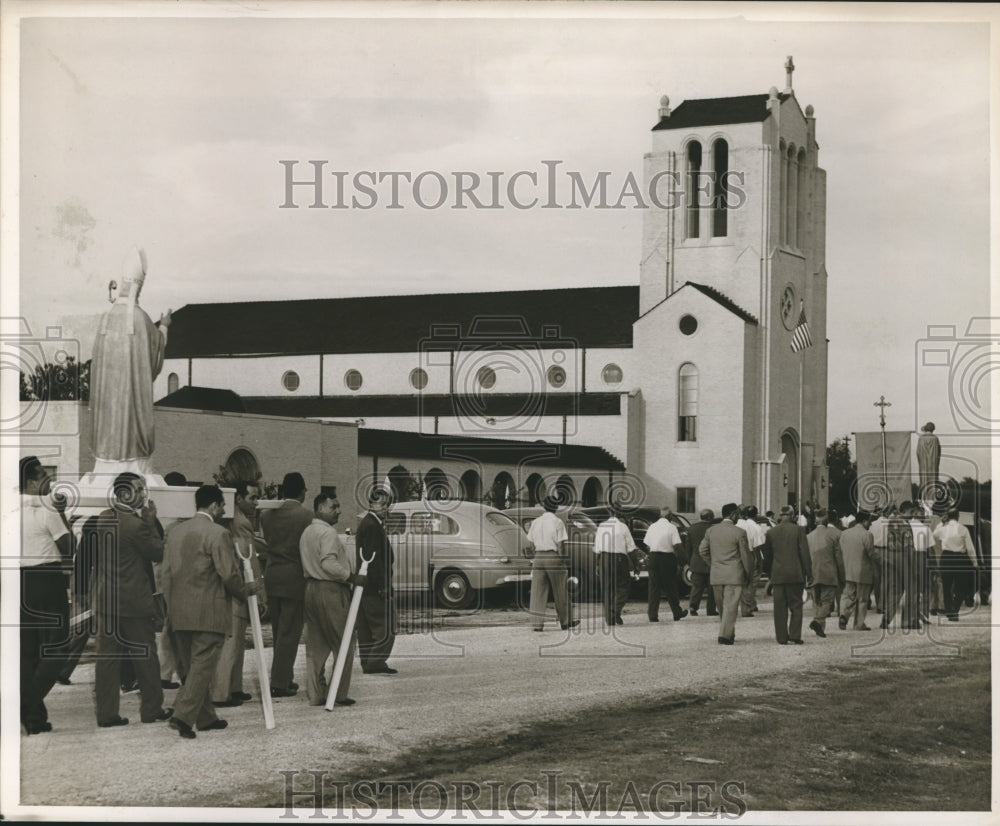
<point x="897" y="735"/>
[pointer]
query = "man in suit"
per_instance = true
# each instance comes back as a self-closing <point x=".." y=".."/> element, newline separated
<point x="377" y="613"/>
<point x="791" y="568"/>
<point x="699" y="570"/>
<point x="227" y="685"/>
<point x="284" y="580"/>
<point x="199" y="577"/>
<point x="860" y="562"/>
<point x="725" y="550"/>
<point x="827" y="570"/>
<point x="131" y="540"/>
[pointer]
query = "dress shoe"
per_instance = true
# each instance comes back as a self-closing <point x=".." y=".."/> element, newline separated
<point x="815" y="626"/>
<point x="383" y="670"/>
<point x="160" y="716"/>
<point x="693" y="612"/>
<point x="953" y="618"/>
<point x="863" y="628"/>
<point x="619" y="620"/>
<point x="534" y="629"/>
<point x="169" y="684"/>
<point x="569" y="625"/>
<point x="842" y="623"/>
<point x="884" y="624"/>
<point x="283" y="692"/>
<point x="747" y="615"/>
<point x="38" y="728"/>
<point x="796" y="642"/>
<point x="182" y="728"/>
<point x="726" y="641"/>
<point x="681" y="615"/>
<point x="654" y="620"/>
<point x="780" y="642"/>
<point x="241" y="695"/>
<point x="347" y="701"/>
<point x="114" y="721"/>
<point x="63" y="681"/>
<point x="713" y="613"/>
<point x="232" y="702"/>
<point x="293" y="686"/>
<point x="215" y="725"/>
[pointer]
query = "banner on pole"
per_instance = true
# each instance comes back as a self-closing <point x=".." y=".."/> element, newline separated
<point x="883" y="480"/>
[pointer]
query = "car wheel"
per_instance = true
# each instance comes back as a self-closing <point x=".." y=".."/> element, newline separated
<point x="453" y="590"/>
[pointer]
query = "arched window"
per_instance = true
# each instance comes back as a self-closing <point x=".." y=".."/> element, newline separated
<point x="472" y="486"/>
<point x="791" y="199"/>
<point x="687" y="403"/>
<point x="173" y="382"/>
<point x="241" y="466"/>
<point x="593" y="492"/>
<point x="782" y="193"/>
<point x="720" y="170"/>
<point x="693" y="182"/>
<point x="536" y="489"/>
<point x="436" y="487"/>
<point x="564" y="491"/>
<point x="504" y="491"/>
<point x="800" y="220"/>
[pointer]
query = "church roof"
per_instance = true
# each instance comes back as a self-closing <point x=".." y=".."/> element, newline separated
<point x="408" y="445"/>
<point x="582" y="317"/>
<point x="722" y="299"/>
<point x="204" y="398"/>
<point x="718" y="111"/>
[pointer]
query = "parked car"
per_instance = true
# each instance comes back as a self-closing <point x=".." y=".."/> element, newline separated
<point x="580" y="531"/>
<point x="471" y="547"/>
<point x="638" y="522"/>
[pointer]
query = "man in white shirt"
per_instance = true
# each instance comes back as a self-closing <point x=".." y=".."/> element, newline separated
<point x="756" y="535"/>
<point x="329" y="575"/>
<point x="616" y="549"/>
<point x="548" y="535"/>
<point x="46" y="551"/>
<point x="959" y="563"/>
<point x="664" y="543"/>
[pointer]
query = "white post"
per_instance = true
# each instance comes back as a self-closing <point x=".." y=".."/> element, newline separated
<point x="345" y="639"/>
<point x="258" y="640"/>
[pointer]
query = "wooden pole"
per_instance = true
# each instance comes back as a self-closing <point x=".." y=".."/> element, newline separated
<point x="258" y="640"/>
<point x="345" y="639"/>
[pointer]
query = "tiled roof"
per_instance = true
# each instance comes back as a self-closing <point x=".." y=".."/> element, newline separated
<point x="584" y="317"/>
<point x="204" y="398"/>
<point x="718" y="111"/>
<point x="722" y="299"/>
<point x="401" y="444"/>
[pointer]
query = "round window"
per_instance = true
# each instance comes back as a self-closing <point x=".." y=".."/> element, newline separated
<point x="556" y="376"/>
<point x="486" y="377"/>
<point x="353" y="380"/>
<point x="290" y="381"/>
<point x="612" y="374"/>
<point x="418" y="378"/>
<point x="688" y="324"/>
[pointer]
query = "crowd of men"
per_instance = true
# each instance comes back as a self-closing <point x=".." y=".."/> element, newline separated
<point x="165" y="603"/>
<point x="175" y="603"/>
<point x="928" y="565"/>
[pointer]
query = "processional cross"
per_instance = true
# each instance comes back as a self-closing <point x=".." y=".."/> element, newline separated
<point x="883" y="404"/>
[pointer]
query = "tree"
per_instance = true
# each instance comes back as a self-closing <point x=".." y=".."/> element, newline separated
<point x="843" y="476"/>
<point x="69" y="381"/>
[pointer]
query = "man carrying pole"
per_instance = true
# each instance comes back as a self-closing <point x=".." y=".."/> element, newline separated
<point x="328" y="571"/>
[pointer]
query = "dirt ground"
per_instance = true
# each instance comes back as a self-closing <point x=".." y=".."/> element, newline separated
<point x="557" y="699"/>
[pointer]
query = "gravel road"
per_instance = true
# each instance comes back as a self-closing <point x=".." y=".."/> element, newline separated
<point x="452" y="686"/>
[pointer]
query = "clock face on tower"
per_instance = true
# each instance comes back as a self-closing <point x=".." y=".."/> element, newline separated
<point x="787" y="307"/>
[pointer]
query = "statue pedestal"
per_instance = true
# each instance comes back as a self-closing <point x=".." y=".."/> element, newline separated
<point x="92" y="494"/>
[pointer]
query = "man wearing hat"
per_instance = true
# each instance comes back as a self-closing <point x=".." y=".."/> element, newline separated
<point x="377" y="612"/>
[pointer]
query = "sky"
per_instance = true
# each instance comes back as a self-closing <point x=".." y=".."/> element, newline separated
<point x="166" y="132"/>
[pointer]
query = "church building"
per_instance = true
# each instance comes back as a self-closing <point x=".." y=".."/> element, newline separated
<point x="684" y="389"/>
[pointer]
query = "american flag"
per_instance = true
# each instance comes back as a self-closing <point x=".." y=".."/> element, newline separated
<point x="800" y="335"/>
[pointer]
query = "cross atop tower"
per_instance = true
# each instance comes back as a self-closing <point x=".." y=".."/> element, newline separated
<point x="789" y="68"/>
